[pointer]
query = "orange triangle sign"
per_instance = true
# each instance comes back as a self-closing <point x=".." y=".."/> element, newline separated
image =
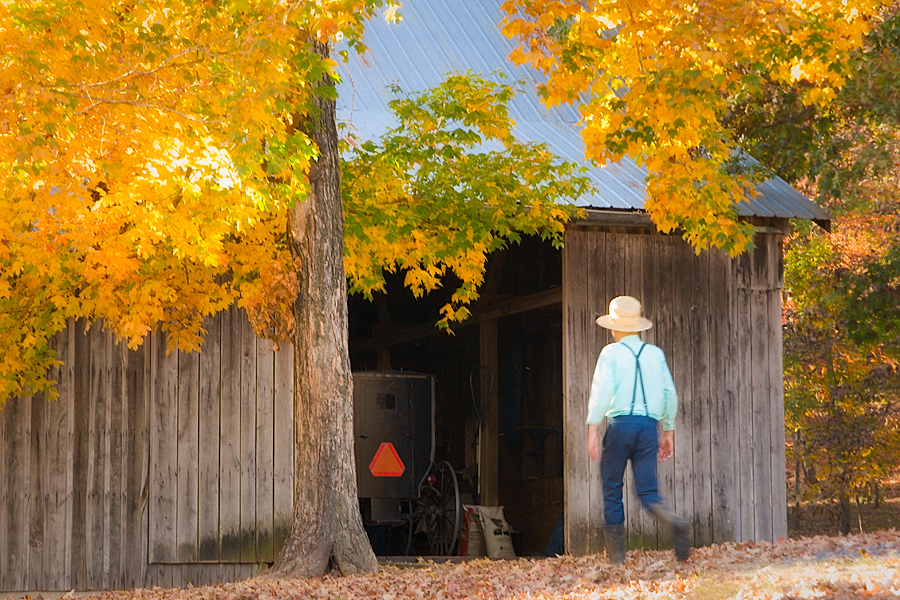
<point x="386" y="462"/>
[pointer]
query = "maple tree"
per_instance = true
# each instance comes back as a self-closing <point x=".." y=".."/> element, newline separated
<point x="448" y="186"/>
<point x="161" y="161"/>
<point x="844" y="153"/>
<point x="655" y="81"/>
<point x="134" y="175"/>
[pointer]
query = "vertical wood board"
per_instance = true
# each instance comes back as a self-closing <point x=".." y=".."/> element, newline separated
<point x="96" y="552"/>
<point x="682" y="365"/>
<point x="114" y="566"/>
<point x="577" y="486"/>
<point x="760" y="417"/>
<point x="187" y="488"/>
<point x="36" y="495"/>
<point x="599" y="293"/>
<point x="283" y="445"/>
<point x="6" y="439"/>
<point x="265" y="459"/>
<point x="701" y="310"/>
<point x="163" y="454"/>
<point x="664" y="330"/>
<point x="722" y="426"/>
<point x="54" y="470"/>
<point x="230" y="439"/>
<point x="776" y="394"/>
<point x="81" y="365"/>
<point x="247" y="438"/>
<point x="489" y="476"/>
<point x="136" y="453"/>
<point x="13" y="562"/>
<point x="745" y="440"/>
<point x="209" y="441"/>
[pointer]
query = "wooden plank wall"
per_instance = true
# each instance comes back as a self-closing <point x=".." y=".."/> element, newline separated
<point x="719" y="322"/>
<point x="170" y="469"/>
<point x="151" y="468"/>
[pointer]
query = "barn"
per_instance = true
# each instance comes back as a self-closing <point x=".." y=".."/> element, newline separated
<point x="167" y="470"/>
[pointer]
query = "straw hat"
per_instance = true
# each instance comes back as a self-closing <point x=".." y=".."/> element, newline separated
<point x="624" y="315"/>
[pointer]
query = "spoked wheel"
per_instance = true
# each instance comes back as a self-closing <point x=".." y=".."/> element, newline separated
<point x="441" y="510"/>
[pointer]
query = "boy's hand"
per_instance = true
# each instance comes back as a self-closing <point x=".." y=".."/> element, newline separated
<point x="593" y="443"/>
<point x="666" y="446"/>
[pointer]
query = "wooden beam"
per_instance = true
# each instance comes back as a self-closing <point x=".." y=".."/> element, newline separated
<point x="402" y="335"/>
<point x="492" y="277"/>
<point x="488" y="470"/>
<point x="614" y="218"/>
<point x="639" y="219"/>
<point x="543" y="299"/>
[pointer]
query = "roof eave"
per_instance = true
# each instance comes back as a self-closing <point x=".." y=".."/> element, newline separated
<point x="640" y="219"/>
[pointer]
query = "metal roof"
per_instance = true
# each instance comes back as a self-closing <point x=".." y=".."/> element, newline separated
<point x="437" y="37"/>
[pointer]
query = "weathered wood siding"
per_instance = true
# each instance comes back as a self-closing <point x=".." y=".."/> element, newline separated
<point x="719" y="322"/>
<point x="150" y="469"/>
<point x="175" y="469"/>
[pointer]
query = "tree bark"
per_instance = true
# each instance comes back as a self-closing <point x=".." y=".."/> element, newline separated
<point x="844" y="514"/>
<point x="327" y="532"/>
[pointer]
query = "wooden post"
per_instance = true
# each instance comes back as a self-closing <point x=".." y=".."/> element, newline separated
<point x="488" y="472"/>
<point x="384" y="324"/>
<point x="584" y="293"/>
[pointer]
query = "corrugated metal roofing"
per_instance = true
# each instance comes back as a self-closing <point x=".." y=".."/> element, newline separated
<point x="437" y="37"/>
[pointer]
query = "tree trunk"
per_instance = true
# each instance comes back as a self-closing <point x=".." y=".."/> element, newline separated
<point x="844" y="514"/>
<point x="327" y="532"/>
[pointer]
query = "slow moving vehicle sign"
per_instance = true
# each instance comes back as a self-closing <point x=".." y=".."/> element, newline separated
<point x="386" y="462"/>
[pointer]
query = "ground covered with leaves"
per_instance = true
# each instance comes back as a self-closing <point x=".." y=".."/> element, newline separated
<point x="856" y="566"/>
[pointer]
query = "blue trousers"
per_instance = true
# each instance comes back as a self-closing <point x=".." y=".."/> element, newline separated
<point x="627" y="438"/>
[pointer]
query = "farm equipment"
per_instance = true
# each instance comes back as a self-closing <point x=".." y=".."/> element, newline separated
<point x="399" y="482"/>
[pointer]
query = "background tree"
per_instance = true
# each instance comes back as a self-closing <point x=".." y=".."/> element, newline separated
<point x="842" y="290"/>
<point x="842" y="398"/>
<point x="160" y="161"/>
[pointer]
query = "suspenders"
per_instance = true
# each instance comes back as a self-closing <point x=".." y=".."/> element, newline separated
<point x="637" y="374"/>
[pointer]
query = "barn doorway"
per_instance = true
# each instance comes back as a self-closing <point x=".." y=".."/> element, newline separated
<point x="517" y="460"/>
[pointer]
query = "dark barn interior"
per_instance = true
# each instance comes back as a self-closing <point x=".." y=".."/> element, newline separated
<point x="522" y="293"/>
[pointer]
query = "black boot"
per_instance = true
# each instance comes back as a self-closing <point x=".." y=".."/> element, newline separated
<point x="677" y="527"/>
<point x="614" y="536"/>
